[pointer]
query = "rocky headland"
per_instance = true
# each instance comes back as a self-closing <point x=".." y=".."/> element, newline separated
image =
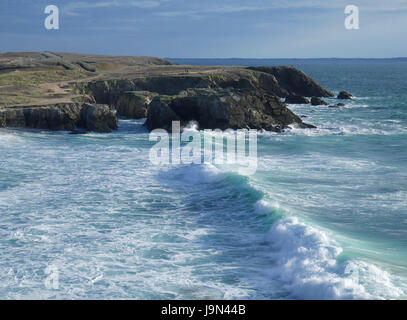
<point x="58" y="91"/>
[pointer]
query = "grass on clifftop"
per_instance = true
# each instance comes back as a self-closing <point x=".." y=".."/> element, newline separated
<point x="32" y="85"/>
<point x="26" y="78"/>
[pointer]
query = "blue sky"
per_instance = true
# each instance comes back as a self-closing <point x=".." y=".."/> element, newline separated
<point x="208" y="28"/>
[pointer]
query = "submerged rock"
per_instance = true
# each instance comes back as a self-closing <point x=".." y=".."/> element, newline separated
<point x="337" y="105"/>
<point x="79" y="131"/>
<point x="295" y="99"/>
<point x="343" y="95"/>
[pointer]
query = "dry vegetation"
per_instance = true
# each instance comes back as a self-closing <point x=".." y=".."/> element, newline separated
<point x="28" y="78"/>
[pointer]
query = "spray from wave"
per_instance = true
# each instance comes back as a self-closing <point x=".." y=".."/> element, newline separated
<point x="304" y="261"/>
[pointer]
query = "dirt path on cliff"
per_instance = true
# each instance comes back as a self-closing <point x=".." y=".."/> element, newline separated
<point x="62" y="92"/>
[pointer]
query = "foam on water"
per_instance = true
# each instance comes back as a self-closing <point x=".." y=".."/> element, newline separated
<point x="324" y="217"/>
<point x="194" y="174"/>
<point x="305" y="260"/>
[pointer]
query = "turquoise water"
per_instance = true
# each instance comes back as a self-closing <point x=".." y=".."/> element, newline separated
<point x="324" y="217"/>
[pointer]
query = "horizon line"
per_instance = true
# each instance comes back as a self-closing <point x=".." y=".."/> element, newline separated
<point x="331" y="58"/>
<point x="207" y="58"/>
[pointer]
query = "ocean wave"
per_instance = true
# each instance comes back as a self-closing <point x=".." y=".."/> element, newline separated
<point x="193" y="174"/>
<point x="8" y="137"/>
<point x="305" y="261"/>
<point x="324" y="130"/>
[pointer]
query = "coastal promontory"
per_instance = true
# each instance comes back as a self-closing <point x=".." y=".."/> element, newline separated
<point x="63" y="91"/>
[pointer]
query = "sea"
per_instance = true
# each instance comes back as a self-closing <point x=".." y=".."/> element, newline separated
<point x="323" y="217"/>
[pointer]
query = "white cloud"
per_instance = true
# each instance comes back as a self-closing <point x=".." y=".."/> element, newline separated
<point x="73" y="8"/>
<point x="199" y="9"/>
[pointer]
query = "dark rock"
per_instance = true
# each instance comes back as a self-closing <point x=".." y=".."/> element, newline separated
<point x="307" y="126"/>
<point x="233" y="98"/>
<point x="295" y="81"/>
<point x="98" y="118"/>
<point x="279" y="81"/>
<point x="79" y="131"/>
<point x="53" y="117"/>
<point x="315" y="101"/>
<point x="60" y="117"/>
<point x="100" y="91"/>
<point x="223" y="109"/>
<point x="134" y="104"/>
<point x="295" y="99"/>
<point x="337" y="105"/>
<point x="344" y="95"/>
<point x="171" y="85"/>
<point x="160" y="115"/>
<point x="12" y="118"/>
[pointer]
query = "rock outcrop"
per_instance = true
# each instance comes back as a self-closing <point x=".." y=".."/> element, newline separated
<point x="338" y="105"/>
<point x="234" y="109"/>
<point x="139" y="87"/>
<point x="278" y="81"/>
<point x="315" y="101"/>
<point x="343" y="95"/>
<point x="134" y="104"/>
<point x="236" y="98"/>
<point x="98" y="118"/>
<point x="295" y="81"/>
<point x="160" y="115"/>
<point x="66" y="116"/>
<point x="296" y="99"/>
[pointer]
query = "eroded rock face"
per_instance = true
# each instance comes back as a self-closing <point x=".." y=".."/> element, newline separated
<point x="55" y="117"/>
<point x="222" y="110"/>
<point x="134" y="104"/>
<point x="278" y="81"/>
<point x="97" y="118"/>
<point x="160" y="115"/>
<point x="295" y="81"/>
<point x="233" y="98"/>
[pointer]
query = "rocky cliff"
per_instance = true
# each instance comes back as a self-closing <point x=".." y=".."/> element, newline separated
<point x="91" y="117"/>
<point x="295" y="82"/>
<point x="47" y="90"/>
<point x="222" y="109"/>
<point x="233" y="98"/>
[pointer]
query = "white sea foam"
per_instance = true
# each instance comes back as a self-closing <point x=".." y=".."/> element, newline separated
<point x="7" y="137"/>
<point x="325" y="130"/>
<point x="192" y="126"/>
<point x="305" y="261"/>
<point x="264" y="207"/>
<point x="195" y="174"/>
<point x="97" y="211"/>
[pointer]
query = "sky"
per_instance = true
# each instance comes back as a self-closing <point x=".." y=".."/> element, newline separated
<point x="208" y="28"/>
